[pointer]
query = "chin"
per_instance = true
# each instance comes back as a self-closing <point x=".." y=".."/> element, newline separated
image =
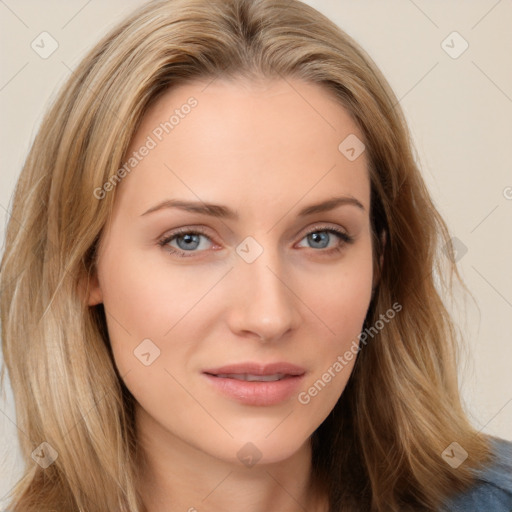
<point x="261" y="449"/>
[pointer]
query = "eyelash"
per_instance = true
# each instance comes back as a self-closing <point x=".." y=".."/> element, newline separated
<point x="347" y="239"/>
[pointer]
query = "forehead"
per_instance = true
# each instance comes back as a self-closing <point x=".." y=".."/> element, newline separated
<point x="246" y="143"/>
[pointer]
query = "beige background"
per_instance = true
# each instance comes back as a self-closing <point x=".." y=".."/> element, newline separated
<point x="459" y="110"/>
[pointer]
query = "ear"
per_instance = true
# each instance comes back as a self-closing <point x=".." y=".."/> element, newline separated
<point x="377" y="273"/>
<point x="93" y="289"/>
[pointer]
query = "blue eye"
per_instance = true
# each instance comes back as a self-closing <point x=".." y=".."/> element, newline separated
<point x="321" y="235"/>
<point x="188" y="240"/>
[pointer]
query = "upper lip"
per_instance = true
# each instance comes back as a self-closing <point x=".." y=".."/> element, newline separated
<point x="254" y="368"/>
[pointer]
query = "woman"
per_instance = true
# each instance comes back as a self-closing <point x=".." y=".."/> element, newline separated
<point x="299" y="357"/>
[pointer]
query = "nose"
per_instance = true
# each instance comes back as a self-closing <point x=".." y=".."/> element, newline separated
<point x="262" y="303"/>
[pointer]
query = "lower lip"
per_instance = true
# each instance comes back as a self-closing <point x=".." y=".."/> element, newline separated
<point x="257" y="393"/>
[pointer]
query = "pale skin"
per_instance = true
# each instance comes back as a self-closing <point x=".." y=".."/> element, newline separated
<point x="266" y="150"/>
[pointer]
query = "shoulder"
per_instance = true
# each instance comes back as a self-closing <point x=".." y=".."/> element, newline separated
<point x="493" y="487"/>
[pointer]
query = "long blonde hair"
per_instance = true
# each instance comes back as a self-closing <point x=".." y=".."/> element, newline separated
<point x="380" y="448"/>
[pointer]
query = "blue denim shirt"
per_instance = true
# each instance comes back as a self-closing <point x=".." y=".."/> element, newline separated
<point x="492" y="491"/>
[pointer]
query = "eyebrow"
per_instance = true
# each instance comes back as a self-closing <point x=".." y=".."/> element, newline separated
<point x="220" y="211"/>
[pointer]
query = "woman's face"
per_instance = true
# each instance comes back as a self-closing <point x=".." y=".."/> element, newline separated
<point x="231" y="337"/>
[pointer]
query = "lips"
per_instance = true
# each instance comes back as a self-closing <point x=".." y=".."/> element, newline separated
<point x="256" y="384"/>
<point x="251" y="377"/>
<point x="257" y="370"/>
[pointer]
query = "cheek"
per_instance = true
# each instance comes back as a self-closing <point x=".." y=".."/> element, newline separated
<point x="153" y="327"/>
<point x="148" y="300"/>
<point x="344" y="303"/>
<point x="340" y="296"/>
<point x="340" y="312"/>
<point x="157" y="316"/>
